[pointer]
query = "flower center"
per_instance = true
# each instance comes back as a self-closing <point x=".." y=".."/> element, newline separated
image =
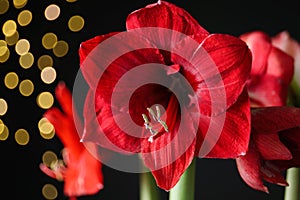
<point x="156" y="118"/>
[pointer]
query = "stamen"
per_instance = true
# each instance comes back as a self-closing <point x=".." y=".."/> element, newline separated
<point x="157" y="118"/>
<point x="152" y="113"/>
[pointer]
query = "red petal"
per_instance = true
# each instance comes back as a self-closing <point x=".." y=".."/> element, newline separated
<point x="274" y="119"/>
<point x="89" y="66"/>
<point x="249" y="169"/>
<point x="291" y="138"/>
<point x="64" y="123"/>
<point x="266" y="91"/>
<point x="260" y="46"/>
<point x="169" y="155"/>
<point x="94" y="130"/>
<point x="167" y="177"/>
<point x="84" y="176"/>
<point x="166" y="15"/>
<point x="270" y="147"/>
<point x="281" y="65"/>
<point x="217" y="71"/>
<point x="272" y="174"/>
<point x="229" y="138"/>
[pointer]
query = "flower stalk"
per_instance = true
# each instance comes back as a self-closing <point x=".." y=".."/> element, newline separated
<point x="185" y="188"/>
<point x="293" y="178"/>
<point x="148" y="187"/>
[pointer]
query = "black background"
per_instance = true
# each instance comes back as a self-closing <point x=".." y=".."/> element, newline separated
<point x="20" y="175"/>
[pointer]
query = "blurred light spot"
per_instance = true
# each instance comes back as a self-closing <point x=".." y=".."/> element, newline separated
<point x="76" y="23"/>
<point x="49" y="40"/>
<point x="5" y="56"/>
<point x="4" y="133"/>
<point x="26" y="60"/>
<point x="4" y="6"/>
<point x="47" y="130"/>
<point x="22" y="137"/>
<point x="45" y="61"/>
<point x="49" y="191"/>
<point x="9" y="28"/>
<point x="3" y="47"/>
<point x="71" y="1"/>
<point x="45" y="100"/>
<point x="48" y="75"/>
<point x="61" y="48"/>
<point x="3" y="43"/>
<point x="1" y="126"/>
<point x="19" y="3"/>
<point x="12" y="40"/>
<point x="11" y="80"/>
<point x="52" y="12"/>
<point x="3" y="107"/>
<point x="24" y="18"/>
<point x="26" y="87"/>
<point x="22" y="47"/>
<point x="49" y="157"/>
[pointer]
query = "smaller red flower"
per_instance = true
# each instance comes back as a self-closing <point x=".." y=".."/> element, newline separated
<point x="271" y="73"/>
<point x="274" y="146"/>
<point x="286" y="43"/>
<point x="80" y="170"/>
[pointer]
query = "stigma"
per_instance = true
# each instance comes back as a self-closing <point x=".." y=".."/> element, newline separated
<point x="157" y="119"/>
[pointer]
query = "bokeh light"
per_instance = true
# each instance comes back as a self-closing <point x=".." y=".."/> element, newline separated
<point x="48" y="75"/>
<point x="4" y="6"/>
<point x="22" y="137"/>
<point x="26" y="60"/>
<point x="45" y="61"/>
<point x="11" y="80"/>
<point x="76" y="23"/>
<point x="45" y="100"/>
<point x="22" y="47"/>
<point x="26" y="87"/>
<point x="3" y="107"/>
<point x="9" y="28"/>
<point x="24" y="17"/>
<point x="61" y="48"/>
<point x="52" y="12"/>
<point x="49" y="191"/>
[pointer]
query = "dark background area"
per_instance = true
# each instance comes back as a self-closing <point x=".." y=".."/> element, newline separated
<point x="20" y="174"/>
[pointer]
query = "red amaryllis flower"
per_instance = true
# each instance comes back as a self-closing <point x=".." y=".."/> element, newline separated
<point x="162" y="87"/>
<point x="286" y="43"/>
<point x="274" y="146"/>
<point x="80" y="170"/>
<point x="271" y="73"/>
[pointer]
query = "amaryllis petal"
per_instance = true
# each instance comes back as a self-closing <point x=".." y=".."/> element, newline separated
<point x="259" y="43"/>
<point x="263" y="120"/>
<point x="165" y="15"/>
<point x="80" y="169"/>
<point x="289" y="45"/>
<point x="233" y="130"/>
<point x="267" y="90"/>
<point x="270" y="147"/>
<point x="84" y="177"/>
<point x="171" y="153"/>
<point x="208" y="71"/>
<point x="65" y="131"/>
<point x="89" y="64"/>
<point x="249" y="169"/>
<point x="272" y="174"/>
<point x="282" y="66"/>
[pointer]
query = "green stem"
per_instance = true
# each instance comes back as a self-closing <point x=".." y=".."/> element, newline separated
<point x="292" y="192"/>
<point x="148" y="187"/>
<point x="185" y="188"/>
